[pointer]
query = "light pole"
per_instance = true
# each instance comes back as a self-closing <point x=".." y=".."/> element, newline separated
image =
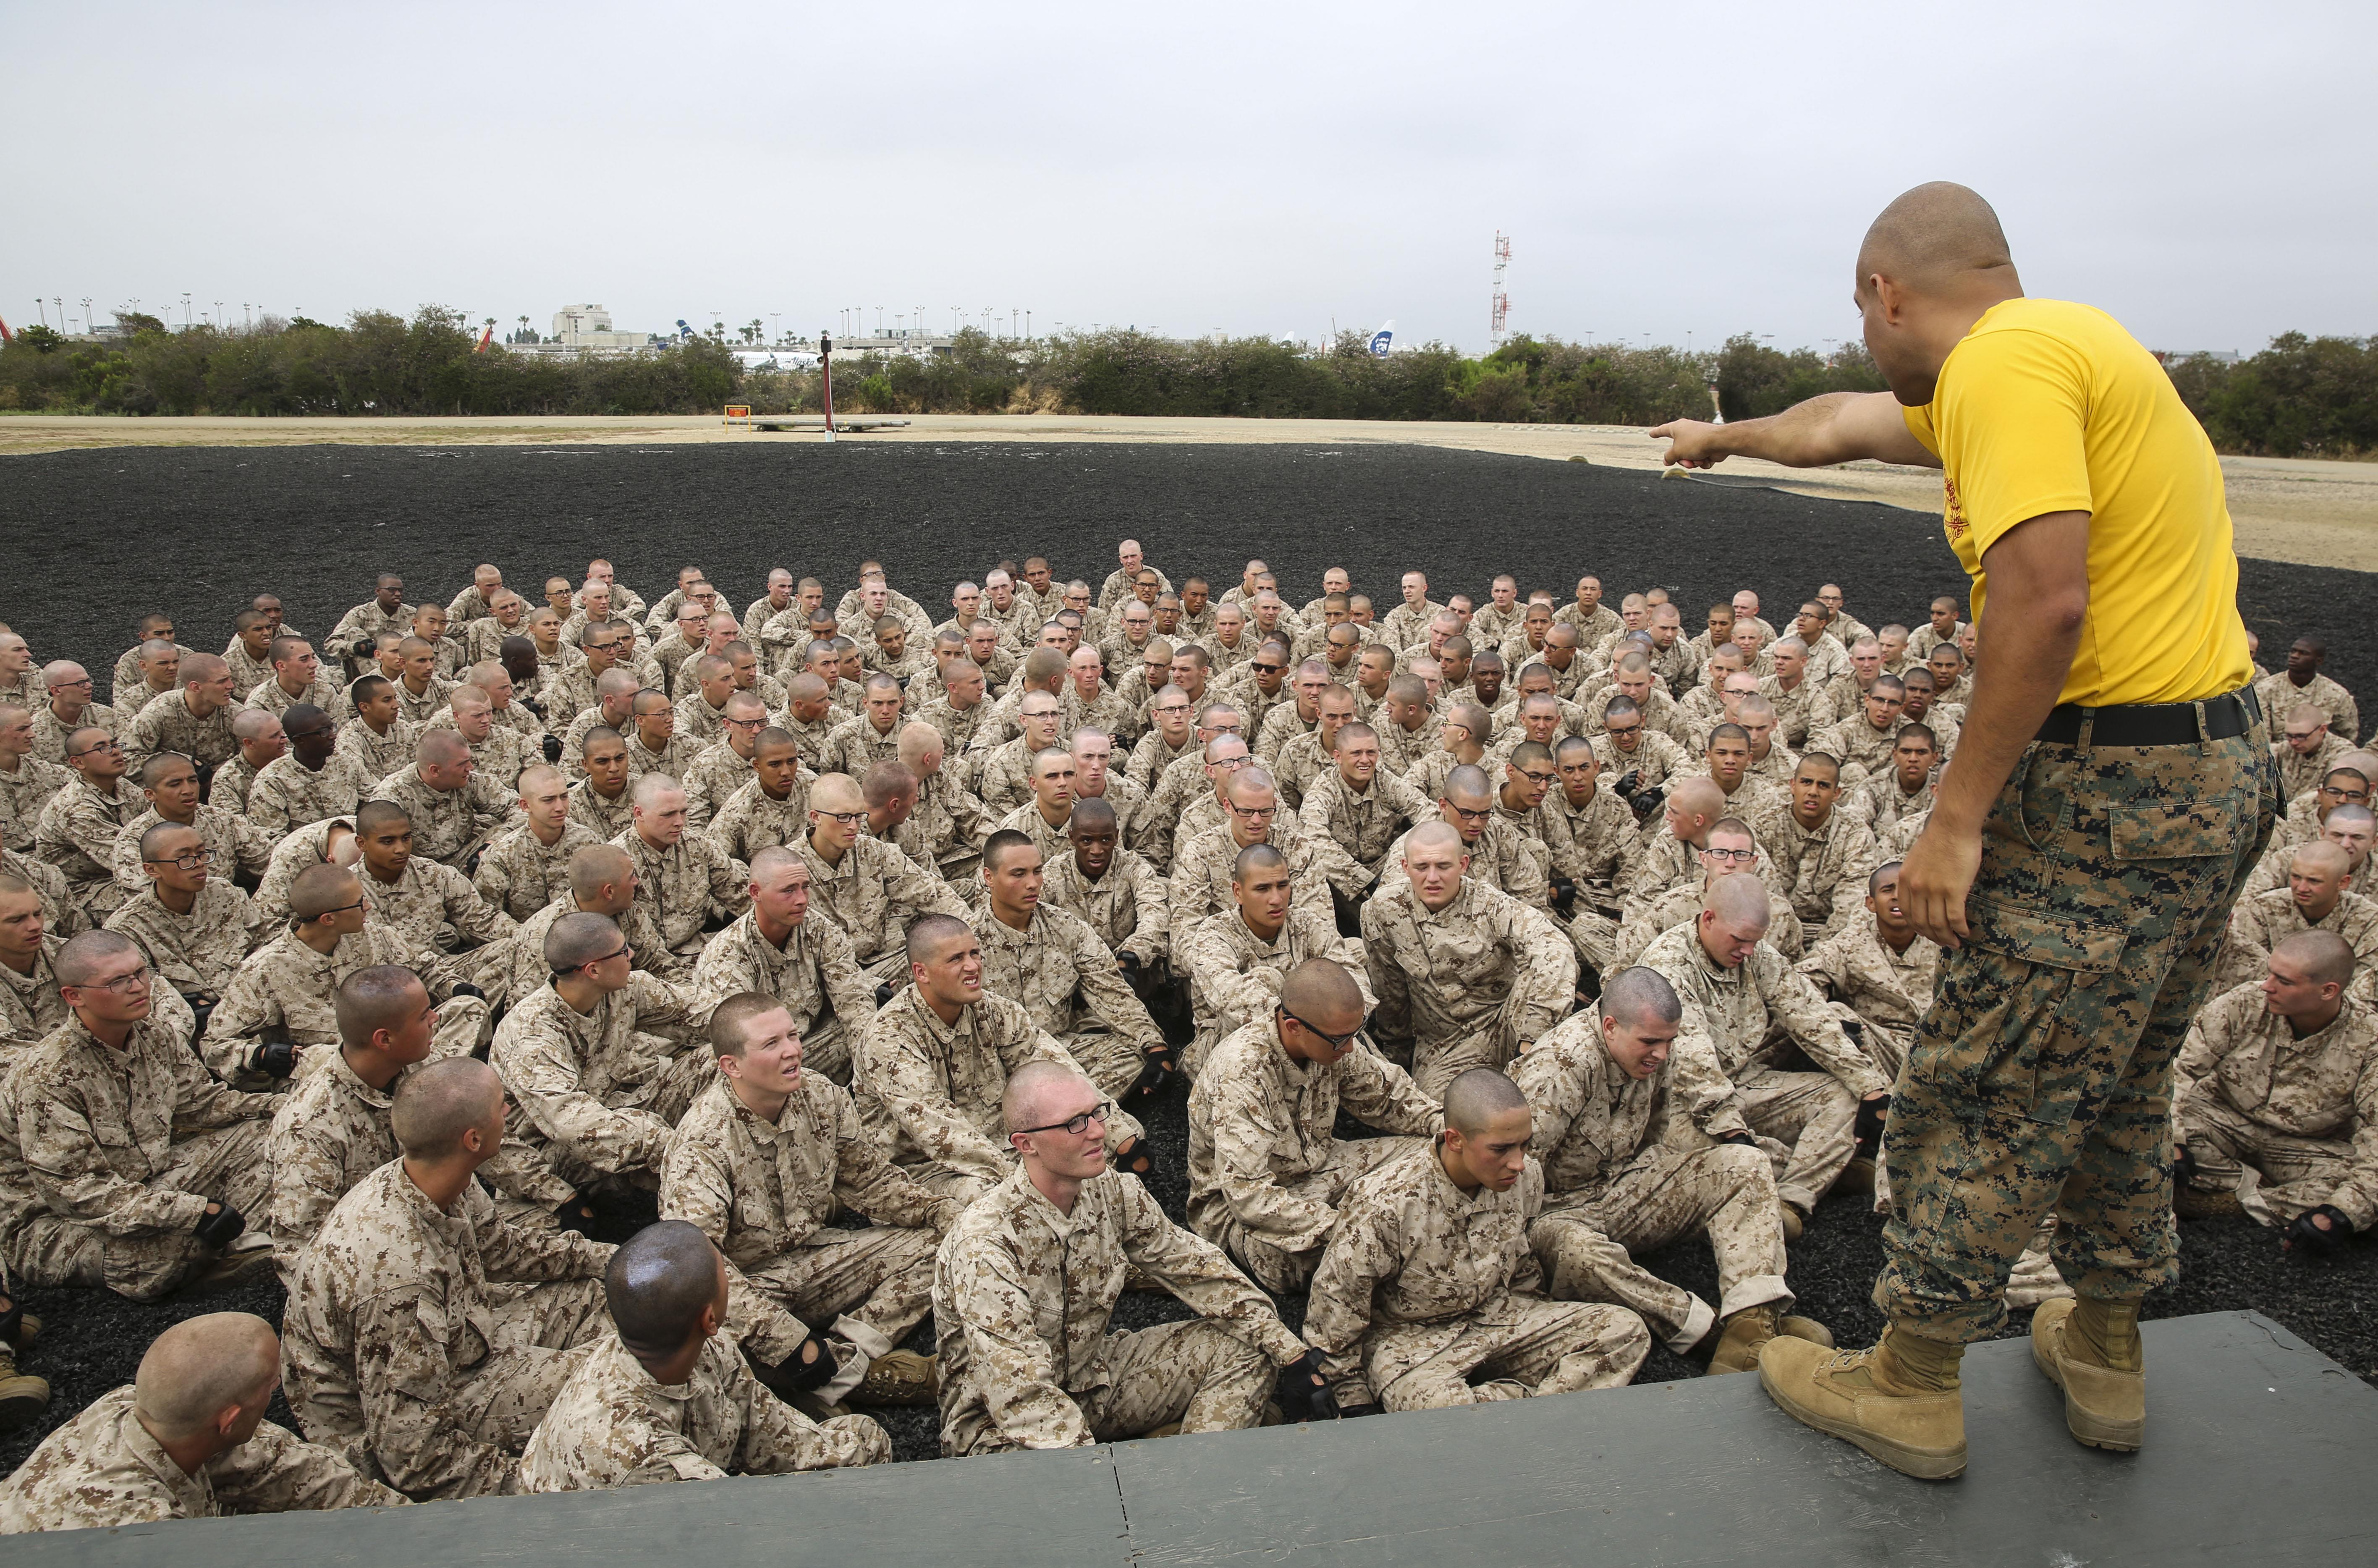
<point x="185" y="310"/>
<point x="86" y="315"/>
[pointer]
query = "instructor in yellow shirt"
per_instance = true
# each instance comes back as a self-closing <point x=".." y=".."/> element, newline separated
<point x="2111" y="790"/>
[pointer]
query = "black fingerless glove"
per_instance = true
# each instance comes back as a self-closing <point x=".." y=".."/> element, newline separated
<point x="1870" y="1113"/>
<point x="1629" y="782"/>
<point x="2183" y="1168"/>
<point x="1137" y="1158"/>
<point x="465" y="989"/>
<point x="1745" y="1139"/>
<point x="552" y="745"/>
<point x="1303" y="1393"/>
<point x="574" y="1213"/>
<point x="1128" y="962"/>
<point x="222" y="1227"/>
<point x="807" y="1375"/>
<point x="2312" y="1238"/>
<point x="1351" y="1412"/>
<point x="276" y="1058"/>
<point x="883" y="994"/>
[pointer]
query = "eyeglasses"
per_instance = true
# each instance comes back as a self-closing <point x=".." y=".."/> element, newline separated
<point x="1173" y="710"/>
<point x="1732" y="856"/>
<point x="847" y="819"/>
<point x="1252" y="812"/>
<point x="69" y="685"/>
<point x="1268" y="669"/>
<point x="1078" y="1125"/>
<point x="1337" y="1042"/>
<point x="343" y="908"/>
<point x="1471" y="817"/>
<point x="1622" y="729"/>
<point x="123" y="985"/>
<point x="188" y="860"/>
<point x="1534" y="777"/>
<point x="99" y="745"/>
<point x="623" y="950"/>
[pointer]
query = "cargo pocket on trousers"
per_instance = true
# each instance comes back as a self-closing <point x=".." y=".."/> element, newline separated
<point x="2172" y="832"/>
<point x="2051" y="968"/>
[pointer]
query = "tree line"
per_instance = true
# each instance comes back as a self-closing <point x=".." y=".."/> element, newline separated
<point x="2300" y="397"/>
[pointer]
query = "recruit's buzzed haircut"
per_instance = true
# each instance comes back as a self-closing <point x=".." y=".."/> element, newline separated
<point x="1640" y="996"/>
<point x="1476" y="1098"/>
<point x="996" y="848"/>
<point x="153" y="841"/>
<point x="2322" y="858"/>
<point x="382" y="997"/>
<point x="1256" y="857"/>
<point x="86" y="952"/>
<point x="1698" y="796"/>
<point x="1320" y="987"/>
<point x="928" y="932"/>
<point x="1433" y="836"/>
<point x="374" y="814"/>
<point x="650" y="789"/>
<point x="154" y="770"/>
<point x="579" y="938"/>
<point x="595" y="864"/>
<point x="2326" y="958"/>
<point x="319" y="890"/>
<point x="730" y="1030"/>
<point x="1028" y="1086"/>
<point x="436" y="1104"/>
<point x="1740" y="901"/>
<point x="1469" y="781"/>
<point x="201" y="1367"/>
<point x="1093" y="812"/>
<point x="657" y="1284"/>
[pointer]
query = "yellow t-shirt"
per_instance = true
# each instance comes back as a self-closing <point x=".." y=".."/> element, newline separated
<point x="2047" y="406"/>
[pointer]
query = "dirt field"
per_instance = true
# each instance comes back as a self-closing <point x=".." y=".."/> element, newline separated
<point x="99" y="536"/>
<point x="2312" y="512"/>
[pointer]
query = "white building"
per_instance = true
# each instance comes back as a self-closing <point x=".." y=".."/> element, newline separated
<point x="589" y="327"/>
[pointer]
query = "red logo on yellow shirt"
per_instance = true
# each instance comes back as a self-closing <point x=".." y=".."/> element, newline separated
<point x="1954" y="515"/>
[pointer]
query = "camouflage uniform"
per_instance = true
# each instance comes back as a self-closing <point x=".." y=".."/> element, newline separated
<point x="2289" y="1123"/>
<point x="233" y="842"/>
<point x="1743" y="1017"/>
<point x="30" y="1005"/>
<point x="1469" y="984"/>
<point x="809" y="740"/>
<point x="102" y="1471"/>
<point x="1028" y="821"/>
<point x="1425" y="1287"/>
<point x="1001" y="775"/>
<point x="2281" y="696"/>
<point x="1502" y="858"/>
<point x="24" y="793"/>
<point x="763" y="1192"/>
<point x="448" y="824"/>
<point x="375" y="756"/>
<point x="1201" y="875"/>
<point x="1071" y="986"/>
<point x="435" y="907"/>
<point x="957" y="728"/>
<point x="402" y="1355"/>
<point x="1881" y="804"/>
<point x="1153" y="756"/>
<point x="50" y="732"/>
<point x="286" y="795"/>
<point x="606" y="816"/>
<point x="2102" y="895"/>
<point x="1235" y="975"/>
<point x="368" y="621"/>
<point x="814" y="975"/>
<point x="77" y="832"/>
<point x="1647" y="919"/>
<point x="1823" y="869"/>
<point x="873" y="895"/>
<point x="929" y="1092"/>
<point x="945" y="831"/>
<point x="1266" y="1171"/>
<point x="308" y="846"/>
<point x="1888" y="993"/>
<point x="1806" y="710"/>
<point x="284" y="989"/>
<point x="1022" y="1298"/>
<point x="420" y="707"/>
<point x="123" y="1151"/>
<point x="612" y="1425"/>
<point x="717" y="771"/>
<point x="1364" y="825"/>
<point x="167" y="724"/>
<point x="1128" y="909"/>
<point x="195" y="953"/>
<point x="2263" y="920"/>
<point x="520" y="874"/>
<point x="679" y="887"/>
<point x="272" y="696"/>
<point x="525" y="970"/>
<point x="1626" y="1173"/>
<point x="332" y="1131"/>
<point x="597" y="1093"/>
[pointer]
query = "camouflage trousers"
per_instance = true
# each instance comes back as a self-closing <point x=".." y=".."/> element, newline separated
<point x="2276" y="1176"/>
<point x="1527" y="1348"/>
<point x="872" y="1286"/>
<point x="1726" y="1190"/>
<point x="226" y="1165"/>
<point x="1110" y="1060"/>
<point x="1275" y="1267"/>
<point x="825" y="1051"/>
<point x="1813" y="1119"/>
<point x="540" y="1332"/>
<point x="2041" y="1077"/>
<point x="1198" y="1373"/>
<point x="1493" y="1042"/>
<point x="1595" y="936"/>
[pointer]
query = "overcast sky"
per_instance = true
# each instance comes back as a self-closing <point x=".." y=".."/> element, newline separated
<point x="2202" y="171"/>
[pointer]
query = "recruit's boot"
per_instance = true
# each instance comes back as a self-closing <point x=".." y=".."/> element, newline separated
<point x="2091" y="1350"/>
<point x="1743" y="1334"/>
<point x="1857" y="1177"/>
<point x="249" y="1255"/>
<point x="1899" y="1401"/>
<point x="899" y="1377"/>
<point x="18" y="1328"/>
<point x="2195" y="1203"/>
<point x="1795" y="1223"/>
<point x="22" y="1396"/>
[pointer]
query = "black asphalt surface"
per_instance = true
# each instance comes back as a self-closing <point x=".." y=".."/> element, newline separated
<point x="96" y="539"/>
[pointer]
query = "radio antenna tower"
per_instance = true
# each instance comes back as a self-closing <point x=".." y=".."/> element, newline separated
<point x="1496" y="328"/>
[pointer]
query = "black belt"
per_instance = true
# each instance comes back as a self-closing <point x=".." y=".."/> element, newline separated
<point x="2155" y="724"/>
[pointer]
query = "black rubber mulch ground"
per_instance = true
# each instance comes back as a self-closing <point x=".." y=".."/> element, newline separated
<point x="97" y="538"/>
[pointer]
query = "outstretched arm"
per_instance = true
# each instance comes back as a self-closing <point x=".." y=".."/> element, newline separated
<point x="1836" y="427"/>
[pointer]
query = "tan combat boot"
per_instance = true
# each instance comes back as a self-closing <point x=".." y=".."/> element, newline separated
<point x="2091" y="1350"/>
<point x="1747" y="1331"/>
<point x="1899" y="1401"/>
<point x="900" y="1377"/>
<point x="22" y="1396"/>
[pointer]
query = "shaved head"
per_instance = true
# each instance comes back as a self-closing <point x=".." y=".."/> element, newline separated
<point x="1740" y="901"/>
<point x="2326" y="957"/>
<point x="657" y="1284"/>
<point x="1321" y="989"/>
<point x="1933" y="236"/>
<point x="382" y="996"/>
<point x="581" y="938"/>
<point x="201" y="1367"/>
<point x="440" y="1102"/>
<point x="1477" y="1098"/>
<point x="1029" y="1087"/>
<point x="1640" y="996"/>
<point x="319" y="890"/>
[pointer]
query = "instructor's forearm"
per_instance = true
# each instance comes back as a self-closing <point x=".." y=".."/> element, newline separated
<point x="1804" y="435"/>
